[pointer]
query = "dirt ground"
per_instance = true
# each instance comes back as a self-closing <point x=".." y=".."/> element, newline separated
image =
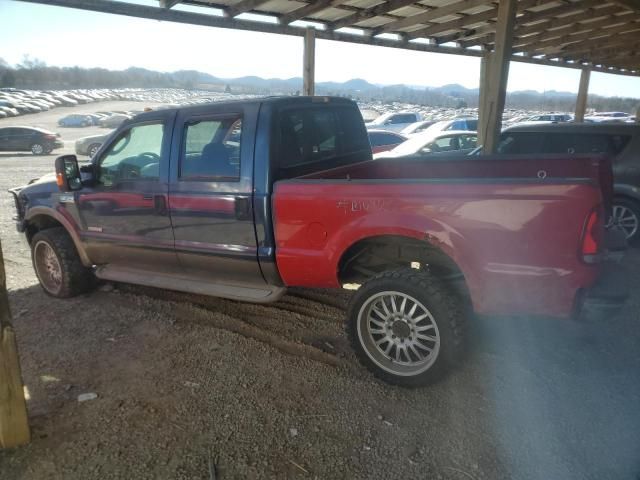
<point x="186" y="385"/>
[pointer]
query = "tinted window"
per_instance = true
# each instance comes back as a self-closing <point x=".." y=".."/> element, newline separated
<point x="472" y="125"/>
<point x="212" y="149"/>
<point x="135" y="155"/>
<point x="467" y="142"/>
<point x="587" y="143"/>
<point x="403" y="118"/>
<point x="320" y="134"/>
<point x="442" y="144"/>
<point x="377" y="139"/>
<point x="521" y="143"/>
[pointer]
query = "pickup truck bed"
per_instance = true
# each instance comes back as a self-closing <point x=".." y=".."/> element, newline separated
<point x="511" y="226"/>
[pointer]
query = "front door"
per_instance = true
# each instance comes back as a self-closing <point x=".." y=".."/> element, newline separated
<point x="211" y="195"/>
<point x="124" y="215"/>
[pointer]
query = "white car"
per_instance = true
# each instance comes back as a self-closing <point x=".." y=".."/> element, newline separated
<point x="435" y="143"/>
<point x="394" y="122"/>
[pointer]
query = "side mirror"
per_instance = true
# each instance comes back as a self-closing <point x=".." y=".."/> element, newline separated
<point x="68" y="173"/>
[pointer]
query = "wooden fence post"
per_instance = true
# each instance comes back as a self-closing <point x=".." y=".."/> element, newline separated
<point x="14" y="424"/>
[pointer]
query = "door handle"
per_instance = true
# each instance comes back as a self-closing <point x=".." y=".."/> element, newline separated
<point x="147" y="197"/>
<point x="243" y="208"/>
<point x="160" y="204"/>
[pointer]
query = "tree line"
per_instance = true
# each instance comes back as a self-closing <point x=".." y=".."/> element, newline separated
<point x="35" y="74"/>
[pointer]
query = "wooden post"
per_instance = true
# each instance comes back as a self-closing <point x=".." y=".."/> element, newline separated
<point x="498" y="71"/>
<point x="309" y="67"/>
<point x="638" y="114"/>
<point x="583" y="93"/>
<point x="482" y="96"/>
<point x="14" y="424"/>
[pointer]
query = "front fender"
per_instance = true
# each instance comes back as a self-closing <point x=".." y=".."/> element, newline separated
<point x="62" y="218"/>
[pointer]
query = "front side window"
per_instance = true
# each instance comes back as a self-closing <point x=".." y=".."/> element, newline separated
<point x="212" y="149"/>
<point x="134" y="155"/>
<point x="468" y="142"/>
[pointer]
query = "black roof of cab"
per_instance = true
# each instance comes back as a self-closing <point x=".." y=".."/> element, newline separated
<point x="587" y="128"/>
<point x="274" y="100"/>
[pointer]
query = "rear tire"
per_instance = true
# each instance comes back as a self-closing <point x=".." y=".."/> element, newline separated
<point x="37" y="149"/>
<point x="407" y="327"/>
<point x="57" y="264"/>
<point x="626" y="218"/>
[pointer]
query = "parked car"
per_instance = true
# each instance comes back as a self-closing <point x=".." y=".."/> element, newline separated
<point x="169" y="201"/>
<point x="90" y="145"/>
<point x="417" y="127"/>
<point x="620" y="141"/>
<point x="3" y="114"/>
<point x="459" y="124"/>
<point x="394" y="121"/>
<point x="114" y="120"/>
<point x="11" y="112"/>
<point x="549" y="117"/>
<point x="435" y="143"/>
<point x="382" y="140"/>
<point x="75" y="120"/>
<point x="29" y="139"/>
<point x="608" y="117"/>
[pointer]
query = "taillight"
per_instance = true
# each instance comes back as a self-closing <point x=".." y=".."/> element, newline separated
<point x="592" y="235"/>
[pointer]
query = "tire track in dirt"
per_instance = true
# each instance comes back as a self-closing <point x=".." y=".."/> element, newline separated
<point x="249" y="320"/>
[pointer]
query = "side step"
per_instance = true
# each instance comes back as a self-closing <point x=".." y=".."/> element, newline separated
<point x="242" y="292"/>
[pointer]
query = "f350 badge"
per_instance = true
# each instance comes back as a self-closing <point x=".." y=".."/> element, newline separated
<point x="363" y="205"/>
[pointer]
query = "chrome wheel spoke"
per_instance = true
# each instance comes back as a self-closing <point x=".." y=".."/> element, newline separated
<point x="398" y="333"/>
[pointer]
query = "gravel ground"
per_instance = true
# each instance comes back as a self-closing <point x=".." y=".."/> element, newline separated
<point x="273" y="391"/>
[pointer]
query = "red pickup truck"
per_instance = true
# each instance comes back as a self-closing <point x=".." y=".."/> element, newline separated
<point x="244" y="199"/>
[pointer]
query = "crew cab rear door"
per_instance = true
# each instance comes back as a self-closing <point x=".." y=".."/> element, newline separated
<point x="211" y="193"/>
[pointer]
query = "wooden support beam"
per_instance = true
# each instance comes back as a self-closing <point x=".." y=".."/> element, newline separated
<point x="633" y="5"/>
<point x="429" y="16"/>
<point x="168" y="3"/>
<point x="308" y="9"/>
<point x="364" y="14"/>
<point x="309" y="62"/>
<point x="14" y="424"/>
<point x="526" y="18"/>
<point x="586" y="41"/>
<point x="583" y="92"/>
<point x="461" y="22"/>
<point x="498" y="72"/>
<point x="571" y="29"/>
<point x="243" y="6"/>
<point x="485" y="82"/>
<point x="638" y="114"/>
<point x="595" y="38"/>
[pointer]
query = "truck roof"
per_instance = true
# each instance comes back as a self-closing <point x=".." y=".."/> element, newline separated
<point x="274" y="100"/>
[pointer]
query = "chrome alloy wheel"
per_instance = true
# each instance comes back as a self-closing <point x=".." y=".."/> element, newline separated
<point x="398" y="333"/>
<point x="625" y="220"/>
<point x="48" y="267"/>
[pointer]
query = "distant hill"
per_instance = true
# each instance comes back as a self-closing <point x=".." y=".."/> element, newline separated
<point x="35" y="74"/>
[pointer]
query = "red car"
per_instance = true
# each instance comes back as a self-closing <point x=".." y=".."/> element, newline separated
<point x="383" y="140"/>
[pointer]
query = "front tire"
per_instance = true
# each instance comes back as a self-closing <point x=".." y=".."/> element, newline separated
<point x="407" y="327"/>
<point x="57" y="264"/>
<point x="93" y="149"/>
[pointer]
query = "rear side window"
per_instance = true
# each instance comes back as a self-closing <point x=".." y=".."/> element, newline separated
<point x="211" y="149"/>
<point x="320" y="135"/>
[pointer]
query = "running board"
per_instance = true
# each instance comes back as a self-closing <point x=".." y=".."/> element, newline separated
<point x="242" y="292"/>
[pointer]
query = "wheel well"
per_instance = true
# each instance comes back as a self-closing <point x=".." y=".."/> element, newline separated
<point x="38" y="223"/>
<point x="374" y="255"/>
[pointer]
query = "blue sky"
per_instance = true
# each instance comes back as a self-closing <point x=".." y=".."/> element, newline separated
<point x="68" y="37"/>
